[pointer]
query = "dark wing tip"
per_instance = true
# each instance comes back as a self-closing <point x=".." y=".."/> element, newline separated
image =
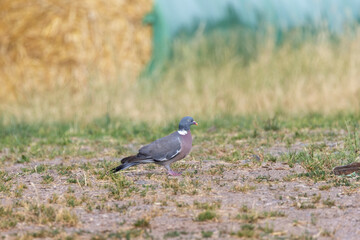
<point x="123" y="166"/>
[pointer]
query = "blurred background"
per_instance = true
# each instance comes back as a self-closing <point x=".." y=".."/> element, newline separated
<point x="156" y="60"/>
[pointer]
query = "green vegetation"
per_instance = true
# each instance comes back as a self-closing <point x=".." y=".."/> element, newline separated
<point x="247" y="231"/>
<point x="206" y="234"/>
<point x="142" y="223"/>
<point x="206" y="216"/>
<point x="70" y="136"/>
<point x="172" y="234"/>
<point x="8" y="219"/>
<point x="47" y="179"/>
<point x="88" y="140"/>
<point x="69" y="163"/>
<point x="253" y="216"/>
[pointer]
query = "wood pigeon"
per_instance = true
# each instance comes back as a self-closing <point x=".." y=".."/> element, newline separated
<point x="163" y="151"/>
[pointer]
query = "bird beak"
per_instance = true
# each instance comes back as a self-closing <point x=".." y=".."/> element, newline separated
<point x="195" y="123"/>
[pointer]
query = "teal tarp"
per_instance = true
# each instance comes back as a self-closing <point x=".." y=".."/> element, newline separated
<point x="171" y="17"/>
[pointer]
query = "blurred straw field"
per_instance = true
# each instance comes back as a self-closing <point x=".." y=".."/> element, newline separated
<point x="51" y="44"/>
<point x="63" y="60"/>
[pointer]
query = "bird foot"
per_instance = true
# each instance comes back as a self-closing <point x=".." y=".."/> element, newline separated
<point x="173" y="173"/>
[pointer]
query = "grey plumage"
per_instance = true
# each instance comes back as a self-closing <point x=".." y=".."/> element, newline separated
<point x="163" y="151"/>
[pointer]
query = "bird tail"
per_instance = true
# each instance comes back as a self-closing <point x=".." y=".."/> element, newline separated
<point x="123" y="166"/>
<point x="347" y="169"/>
<point x="126" y="163"/>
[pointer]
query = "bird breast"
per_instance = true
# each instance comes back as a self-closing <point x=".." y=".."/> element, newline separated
<point x="186" y="143"/>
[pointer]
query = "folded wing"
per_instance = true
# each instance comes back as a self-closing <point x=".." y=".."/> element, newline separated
<point x="163" y="149"/>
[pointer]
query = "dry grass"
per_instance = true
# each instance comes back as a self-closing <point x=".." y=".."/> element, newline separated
<point x="80" y="61"/>
<point x="318" y="77"/>
<point x="49" y="44"/>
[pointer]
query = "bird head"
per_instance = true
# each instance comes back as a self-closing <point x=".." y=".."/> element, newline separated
<point x="186" y="122"/>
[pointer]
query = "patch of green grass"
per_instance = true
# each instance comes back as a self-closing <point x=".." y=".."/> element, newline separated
<point x="45" y="233"/>
<point x="54" y="198"/>
<point x="207" y="205"/>
<point x="39" y="168"/>
<point x="175" y="186"/>
<point x="36" y="214"/>
<point x="64" y="169"/>
<point x="328" y="202"/>
<point x="21" y="134"/>
<point x="206" y="216"/>
<point x="128" y="234"/>
<point x="317" y="163"/>
<point x="42" y="214"/>
<point x="8" y="219"/>
<point x="305" y="205"/>
<point x="324" y="187"/>
<point x="341" y="181"/>
<point x="217" y="169"/>
<point x="71" y="180"/>
<point x="206" y="234"/>
<point x="66" y="218"/>
<point x="271" y="124"/>
<point x="266" y="229"/>
<point x="120" y="186"/>
<point x="262" y="178"/>
<point x="316" y="198"/>
<point x="142" y="223"/>
<point x="247" y="231"/>
<point x="23" y="159"/>
<point x="98" y="237"/>
<point x="234" y="157"/>
<point x="327" y="233"/>
<point x="71" y="200"/>
<point x="172" y="234"/>
<point x="270" y="158"/>
<point x="252" y="216"/>
<point x="243" y="188"/>
<point x="5" y="181"/>
<point x="47" y="179"/>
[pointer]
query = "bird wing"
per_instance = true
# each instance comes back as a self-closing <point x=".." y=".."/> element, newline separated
<point x="347" y="169"/>
<point x="163" y="149"/>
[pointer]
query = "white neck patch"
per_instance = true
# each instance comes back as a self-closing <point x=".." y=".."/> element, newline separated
<point x="182" y="132"/>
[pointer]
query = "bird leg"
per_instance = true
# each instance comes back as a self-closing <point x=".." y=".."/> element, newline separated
<point x="171" y="172"/>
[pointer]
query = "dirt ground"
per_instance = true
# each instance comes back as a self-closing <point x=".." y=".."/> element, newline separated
<point x="246" y="199"/>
